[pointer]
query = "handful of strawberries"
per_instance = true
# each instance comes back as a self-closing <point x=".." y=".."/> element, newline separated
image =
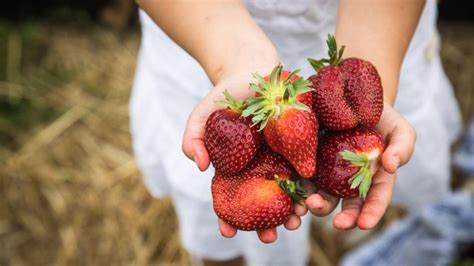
<point x="319" y="129"/>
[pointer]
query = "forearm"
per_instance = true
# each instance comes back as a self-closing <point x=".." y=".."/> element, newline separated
<point x="220" y="35"/>
<point x="379" y="31"/>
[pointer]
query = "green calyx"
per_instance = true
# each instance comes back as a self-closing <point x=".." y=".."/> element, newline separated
<point x="363" y="178"/>
<point x="275" y="96"/>
<point x="335" y="55"/>
<point x="292" y="188"/>
<point x="231" y="103"/>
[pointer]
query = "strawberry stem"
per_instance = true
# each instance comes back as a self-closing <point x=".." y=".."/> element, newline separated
<point x="292" y="188"/>
<point x="317" y="64"/>
<point x="274" y="96"/>
<point x="231" y="103"/>
<point x="335" y="56"/>
<point x="363" y="178"/>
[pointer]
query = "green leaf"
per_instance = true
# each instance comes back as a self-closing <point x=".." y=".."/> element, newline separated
<point x="263" y="124"/>
<point x="278" y="77"/>
<point x="361" y="180"/>
<point x="256" y="88"/>
<point x="231" y="103"/>
<point x="291" y="89"/>
<point x="341" y="51"/>
<point x="300" y="106"/>
<point x="251" y="109"/>
<point x="292" y="74"/>
<point x="365" y="186"/>
<point x="292" y="188"/>
<point x="272" y="75"/>
<point x="301" y="86"/>
<point x="334" y="55"/>
<point x="316" y="64"/>
<point x="222" y="104"/>
<point x="356" y="159"/>
<point x="357" y="178"/>
<point x="301" y="90"/>
<point x="261" y="81"/>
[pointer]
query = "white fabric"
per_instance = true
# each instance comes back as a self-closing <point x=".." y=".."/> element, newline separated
<point x="169" y="83"/>
<point x="200" y="236"/>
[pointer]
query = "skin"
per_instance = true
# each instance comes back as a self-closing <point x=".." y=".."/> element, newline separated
<point x="229" y="45"/>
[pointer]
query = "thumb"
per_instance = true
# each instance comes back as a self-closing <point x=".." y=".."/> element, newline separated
<point x="193" y="142"/>
<point x="401" y="144"/>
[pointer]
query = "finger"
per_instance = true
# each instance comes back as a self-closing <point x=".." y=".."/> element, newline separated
<point x="193" y="143"/>
<point x="226" y="229"/>
<point x="346" y="219"/>
<point x="401" y="143"/>
<point x="267" y="236"/>
<point x="300" y="208"/>
<point x="321" y="203"/>
<point x="377" y="200"/>
<point x="293" y="223"/>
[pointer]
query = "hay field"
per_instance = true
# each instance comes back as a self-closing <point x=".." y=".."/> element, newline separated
<point x="70" y="191"/>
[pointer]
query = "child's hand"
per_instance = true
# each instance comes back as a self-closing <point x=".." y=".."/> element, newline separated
<point x="193" y="143"/>
<point x="193" y="139"/>
<point x="400" y="137"/>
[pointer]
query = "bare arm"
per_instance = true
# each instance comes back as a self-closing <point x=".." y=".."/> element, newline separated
<point x="380" y="32"/>
<point x="221" y="35"/>
<point x="229" y="45"/>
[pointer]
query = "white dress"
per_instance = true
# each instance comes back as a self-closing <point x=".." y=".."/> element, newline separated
<point x="169" y="83"/>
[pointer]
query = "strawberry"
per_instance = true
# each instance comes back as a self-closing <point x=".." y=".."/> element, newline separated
<point x="347" y="93"/>
<point x="347" y="161"/>
<point x="259" y="197"/>
<point x="304" y="98"/>
<point x="229" y="138"/>
<point x="267" y="163"/>
<point x="289" y="127"/>
<point x="250" y="202"/>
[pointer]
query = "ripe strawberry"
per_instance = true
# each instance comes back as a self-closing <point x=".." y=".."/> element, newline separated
<point x="266" y="163"/>
<point x="229" y="138"/>
<point x="250" y="202"/>
<point x="289" y="127"/>
<point x="347" y="161"/>
<point x="259" y="197"/>
<point x="346" y="93"/>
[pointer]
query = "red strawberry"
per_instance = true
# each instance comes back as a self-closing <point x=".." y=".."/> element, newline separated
<point x="347" y="161"/>
<point x="289" y="127"/>
<point x="294" y="135"/>
<point x="259" y="197"/>
<point x="346" y="93"/>
<point x="266" y="163"/>
<point x="230" y="139"/>
<point x="250" y="202"/>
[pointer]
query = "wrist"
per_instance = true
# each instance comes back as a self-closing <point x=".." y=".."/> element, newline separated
<point x="245" y="62"/>
<point x="390" y="86"/>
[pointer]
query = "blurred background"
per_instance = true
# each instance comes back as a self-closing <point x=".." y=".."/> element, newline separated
<point x="70" y="191"/>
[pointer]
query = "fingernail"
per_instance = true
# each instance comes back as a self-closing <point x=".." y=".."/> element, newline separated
<point x="196" y="158"/>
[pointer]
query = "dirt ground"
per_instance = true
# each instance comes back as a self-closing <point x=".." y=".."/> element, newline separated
<point x="70" y="191"/>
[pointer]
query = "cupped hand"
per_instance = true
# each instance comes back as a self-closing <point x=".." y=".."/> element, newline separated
<point x="193" y="138"/>
<point x="400" y="139"/>
<point x="194" y="148"/>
